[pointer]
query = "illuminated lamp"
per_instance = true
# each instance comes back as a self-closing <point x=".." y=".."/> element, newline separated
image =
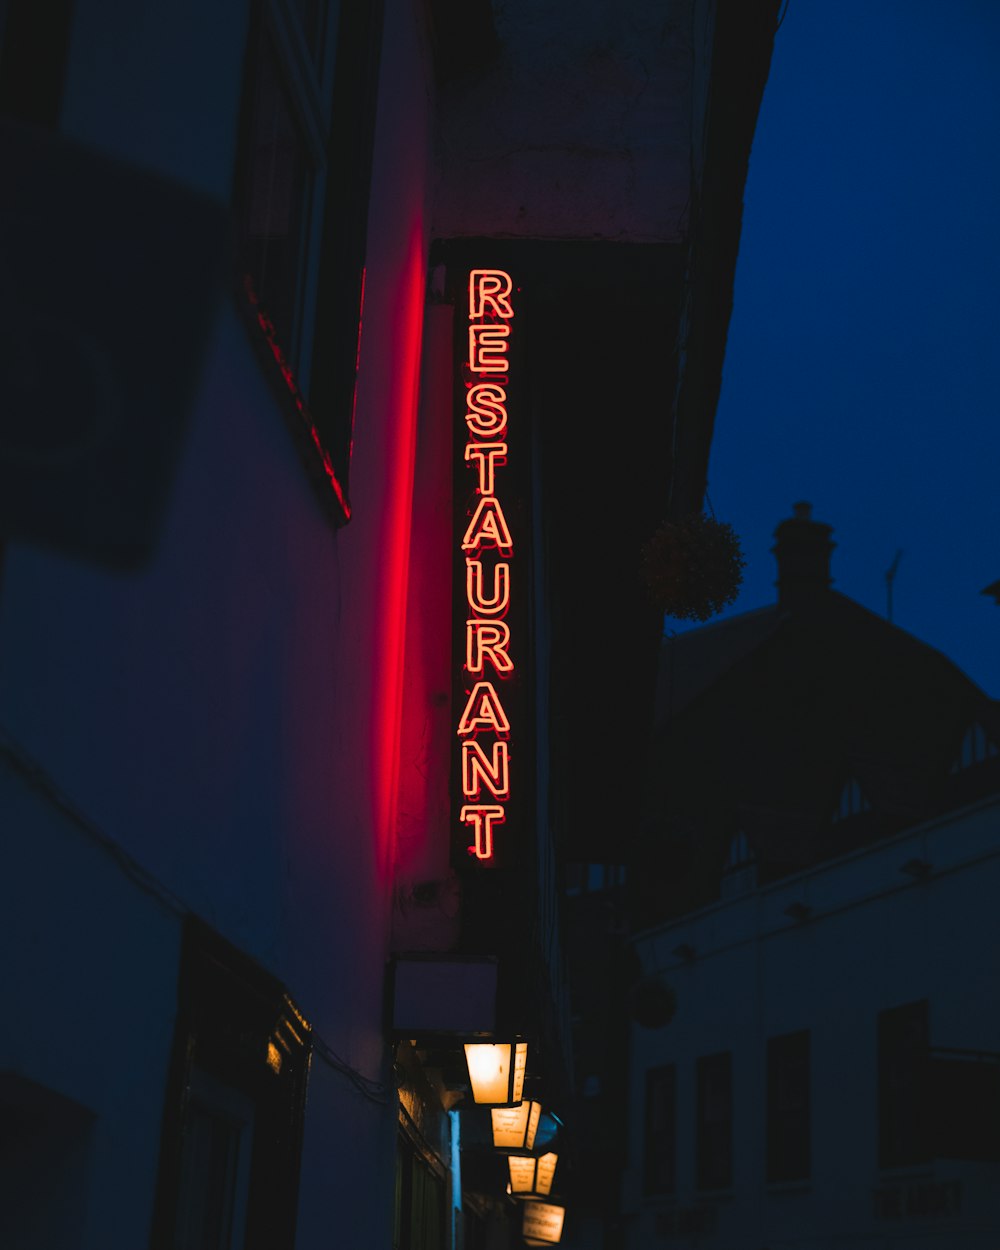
<point x="531" y="1175"/>
<point x="514" y="1127"/>
<point x="496" y="1072"/>
<point x="543" y="1223"/>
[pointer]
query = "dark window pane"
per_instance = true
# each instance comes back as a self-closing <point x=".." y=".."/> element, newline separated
<point x="272" y="197"/>
<point x="903" y="1037"/>
<point x="788" y="1107"/>
<point x="661" y="1125"/>
<point x="235" y="1100"/>
<point x="212" y="1143"/>
<point x="714" y="1139"/>
<point x="419" y="1222"/>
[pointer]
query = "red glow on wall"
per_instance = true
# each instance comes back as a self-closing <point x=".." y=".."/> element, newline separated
<point x="484" y="724"/>
<point x="389" y="463"/>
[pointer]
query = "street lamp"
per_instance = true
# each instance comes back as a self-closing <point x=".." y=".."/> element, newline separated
<point x="496" y="1072"/>
<point x="531" y="1175"/>
<point x="543" y="1223"/>
<point x="514" y="1127"/>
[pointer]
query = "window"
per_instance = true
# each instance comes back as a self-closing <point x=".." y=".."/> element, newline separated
<point x="975" y="748"/>
<point x="232" y="1125"/>
<point x="714" y="1129"/>
<point x="788" y="1107"/>
<point x="903" y="1038"/>
<point x="44" y="1152"/>
<point x="659" y="1154"/>
<point x="739" y="854"/>
<point x="852" y="801"/>
<point x="300" y="203"/>
<point x="419" y="1219"/>
<point x="593" y="878"/>
<point x="739" y="870"/>
<point x="216" y="1144"/>
<point x="281" y="179"/>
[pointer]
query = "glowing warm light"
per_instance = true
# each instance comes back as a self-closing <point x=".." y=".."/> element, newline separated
<point x="531" y="1177"/>
<point x="522" y="1174"/>
<point x="478" y="769"/>
<point x="274" y="1058"/>
<point x="487" y="640"/>
<point x="496" y="1071"/>
<point x="489" y="526"/>
<point x="498" y="604"/>
<point x="487" y="409"/>
<point x="486" y="764"/>
<point x="493" y="287"/>
<point x="482" y="817"/>
<point x="514" y="1127"/>
<point x="488" y="349"/>
<point x="483" y="711"/>
<point x="543" y="1223"/>
<point x="487" y="456"/>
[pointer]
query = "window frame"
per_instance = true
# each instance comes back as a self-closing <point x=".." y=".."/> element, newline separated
<point x="420" y="1207"/>
<point x="311" y="364"/>
<point x="975" y="747"/>
<point x="236" y="1033"/>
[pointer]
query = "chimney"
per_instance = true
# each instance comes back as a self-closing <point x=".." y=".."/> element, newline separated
<point x="802" y="548"/>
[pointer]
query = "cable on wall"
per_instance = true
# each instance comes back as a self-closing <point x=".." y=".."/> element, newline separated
<point x="42" y="783"/>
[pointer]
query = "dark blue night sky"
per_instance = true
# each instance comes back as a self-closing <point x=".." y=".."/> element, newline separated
<point x="861" y="372"/>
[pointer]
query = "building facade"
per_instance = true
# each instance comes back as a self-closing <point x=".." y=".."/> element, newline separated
<point x="243" y="487"/>
<point x="815" y="1046"/>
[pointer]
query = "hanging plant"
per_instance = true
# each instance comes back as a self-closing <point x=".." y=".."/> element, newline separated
<point x="694" y="567"/>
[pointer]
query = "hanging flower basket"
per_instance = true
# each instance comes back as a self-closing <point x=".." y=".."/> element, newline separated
<point x="693" y="568"/>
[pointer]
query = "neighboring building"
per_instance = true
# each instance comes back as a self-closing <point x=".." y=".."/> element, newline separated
<point x="247" y="486"/>
<point x="820" y="854"/>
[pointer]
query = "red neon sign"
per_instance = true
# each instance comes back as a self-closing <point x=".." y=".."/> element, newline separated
<point x="499" y="601"/>
<point x="487" y="640"/>
<point x="486" y="409"/>
<point x="478" y="770"/>
<point x="487" y="456"/>
<point x="488" y="527"/>
<point x="484" y="725"/>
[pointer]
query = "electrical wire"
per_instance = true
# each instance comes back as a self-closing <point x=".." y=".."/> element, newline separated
<point x="40" y="781"/>
<point x="375" y="1091"/>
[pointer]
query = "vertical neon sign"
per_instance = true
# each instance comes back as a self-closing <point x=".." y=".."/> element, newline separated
<point x="484" y="726"/>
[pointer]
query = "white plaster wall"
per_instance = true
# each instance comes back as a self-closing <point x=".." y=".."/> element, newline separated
<point x="874" y="940"/>
<point x="159" y="85"/>
<point x="580" y="130"/>
<point x="86" y="977"/>
<point x="229" y="714"/>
